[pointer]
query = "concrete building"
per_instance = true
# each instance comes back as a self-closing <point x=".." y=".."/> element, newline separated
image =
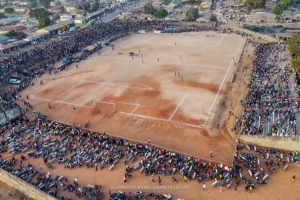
<point x="262" y="17"/>
<point x="53" y="29"/>
<point x="205" y="5"/>
<point x="6" y="29"/>
<point x="175" y="3"/>
<point x="66" y="17"/>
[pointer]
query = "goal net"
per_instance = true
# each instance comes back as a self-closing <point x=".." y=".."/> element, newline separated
<point x="104" y="108"/>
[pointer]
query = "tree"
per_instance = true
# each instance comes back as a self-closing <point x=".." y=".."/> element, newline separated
<point x="78" y="7"/>
<point x="168" y="1"/>
<point x="278" y="9"/>
<point x="253" y="4"/>
<point x="294" y="45"/>
<point x="213" y="18"/>
<point x="62" y="9"/>
<point x="32" y="5"/>
<point x="282" y="6"/>
<point x="192" y="14"/>
<point x="161" y="13"/>
<point x="2" y="16"/>
<point x="45" y="3"/>
<point x="9" y="10"/>
<point x="87" y="7"/>
<point x="192" y="2"/>
<point x="38" y="13"/>
<point x="43" y="22"/>
<point x="296" y="64"/>
<point x="11" y="34"/>
<point x="148" y="8"/>
<point x="95" y="6"/>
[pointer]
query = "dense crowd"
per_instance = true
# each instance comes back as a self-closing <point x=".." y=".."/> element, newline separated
<point x="271" y="103"/>
<point x="269" y="92"/>
<point x="69" y="45"/>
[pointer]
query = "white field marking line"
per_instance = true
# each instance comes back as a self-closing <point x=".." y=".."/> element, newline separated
<point x="193" y="65"/>
<point x="182" y="100"/>
<point x="69" y="89"/>
<point x="105" y="83"/>
<point x="63" y="102"/>
<point x="178" y="63"/>
<point x="204" y="66"/>
<point x="41" y="99"/>
<point x="74" y="104"/>
<point x="220" y="42"/>
<point x="114" y="102"/>
<point x="148" y="40"/>
<point x="150" y="88"/>
<point x="82" y="104"/>
<point x="156" y="118"/>
<point x="135" y="109"/>
<point x="113" y="84"/>
<point x="220" y="88"/>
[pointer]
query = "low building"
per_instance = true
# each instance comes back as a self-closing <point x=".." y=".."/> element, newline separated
<point x="235" y="15"/>
<point x="17" y="10"/>
<point x="53" y="29"/>
<point x="66" y="17"/>
<point x="29" y="21"/>
<point x="3" y="38"/>
<point x="12" y="16"/>
<point x="146" y="16"/>
<point x="9" y="22"/>
<point x="20" y="3"/>
<point x="6" y="29"/>
<point x="205" y="5"/>
<point x="175" y="3"/>
<point x="13" y="46"/>
<point x="262" y="17"/>
<point x="157" y="5"/>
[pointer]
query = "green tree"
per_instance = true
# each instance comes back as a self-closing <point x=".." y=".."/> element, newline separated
<point x="161" y="13"/>
<point x="11" y="34"/>
<point x="296" y="64"/>
<point x="95" y="6"/>
<point x="78" y="7"/>
<point x="87" y="7"/>
<point x="9" y="10"/>
<point x="38" y="12"/>
<point x="2" y="16"/>
<point x="282" y="6"/>
<point x="148" y="8"/>
<point x="168" y="1"/>
<point x="278" y="9"/>
<point x="294" y="45"/>
<point x="191" y="2"/>
<point x="253" y="4"/>
<point x="192" y="14"/>
<point x="62" y="9"/>
<point x="43" y="22"/>
<point x="213" y="18"/>
<point x="32" y="5"/>
<point x="45" y="3"/>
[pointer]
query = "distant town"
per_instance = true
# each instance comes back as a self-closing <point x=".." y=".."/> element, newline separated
<point x="26" y="23"/>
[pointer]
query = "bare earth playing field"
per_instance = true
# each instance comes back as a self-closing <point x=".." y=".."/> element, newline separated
<point x="150" y="101"/>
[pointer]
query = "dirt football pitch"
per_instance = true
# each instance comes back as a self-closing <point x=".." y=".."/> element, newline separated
<point x="169" y="93"/>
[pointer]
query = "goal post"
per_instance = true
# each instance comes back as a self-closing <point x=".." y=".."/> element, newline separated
<point x="104" y="107"/>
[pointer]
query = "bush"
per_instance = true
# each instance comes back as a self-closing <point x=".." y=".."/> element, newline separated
<point x="192" y="14"/>
<point x="161" y="13"/>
